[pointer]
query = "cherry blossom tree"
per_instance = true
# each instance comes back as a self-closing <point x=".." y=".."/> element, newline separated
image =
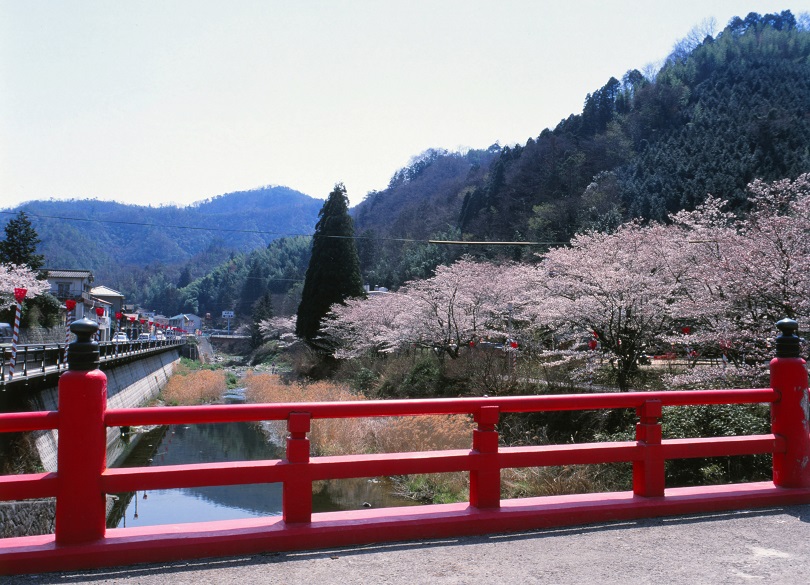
<point x="621" y="287"/>
<point x="460" y="304"/>
<point x="13" y="276"/>
<point x="751" y="271"/>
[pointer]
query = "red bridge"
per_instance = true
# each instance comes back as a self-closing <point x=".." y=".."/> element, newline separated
<point x="83" y="480"/>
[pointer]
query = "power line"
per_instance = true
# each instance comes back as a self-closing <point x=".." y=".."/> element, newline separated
<point x="289" y="235"/>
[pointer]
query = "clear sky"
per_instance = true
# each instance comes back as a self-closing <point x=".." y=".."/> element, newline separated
<point x="173" y="101"/>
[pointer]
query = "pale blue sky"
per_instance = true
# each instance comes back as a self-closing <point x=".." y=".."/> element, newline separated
<point x="160" y="101"/>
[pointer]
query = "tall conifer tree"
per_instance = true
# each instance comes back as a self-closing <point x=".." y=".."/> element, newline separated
<point x="20" y="245"/>
<point x="333" y="274"/>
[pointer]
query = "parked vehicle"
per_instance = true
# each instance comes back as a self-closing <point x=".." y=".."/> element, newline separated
<point x="120" y="338"/>
<point x="6" y="333"/>
<point x="143" y="337"/>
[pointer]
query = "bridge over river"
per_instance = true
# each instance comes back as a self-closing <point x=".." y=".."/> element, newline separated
<point x="654" y="533"/>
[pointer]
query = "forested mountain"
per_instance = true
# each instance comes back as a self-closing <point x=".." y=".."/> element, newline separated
<point x="134" y="248"/>
<point x="720" y="113"/>
<point x="100" y="234"/>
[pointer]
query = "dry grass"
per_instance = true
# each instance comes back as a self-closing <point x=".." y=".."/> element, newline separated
<point x="382" y="435"/>
<point x="549" y="481"/>
<point x="193" y="387"/>
<point x="328" y="436"/>
<point x="421" y="433"/>
<point x="408" y="434"/>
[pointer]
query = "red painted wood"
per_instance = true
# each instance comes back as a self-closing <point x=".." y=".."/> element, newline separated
<point x="81" y="505"/>
<point x="296" y="492"/>
<point x="18" y="422"/>
<point x="82" y="480"/>
<point x="723" y="446"/>
<point x="790" y="418"/>
<point x="648" y="470"/>
<point x="373" y="408"/>
<point x="124" y="546"/>
<point x="485" y="479"/>
<point x="578" y="454"/>
<point x="27" y="486"/>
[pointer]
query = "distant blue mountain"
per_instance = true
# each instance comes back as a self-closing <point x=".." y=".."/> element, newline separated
<point x="106" y="236"/>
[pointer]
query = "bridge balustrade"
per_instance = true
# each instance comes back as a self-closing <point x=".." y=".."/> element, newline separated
<point x="40" y="358"/>
<point x="82" y="480"/>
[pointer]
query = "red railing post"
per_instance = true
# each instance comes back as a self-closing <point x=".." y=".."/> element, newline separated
<point x="790" y="415"/>
<point x="485" y="480"/>
<point x="648" y="473"/>
<point x="82" y="448"/>
<point x="296" y="496"/>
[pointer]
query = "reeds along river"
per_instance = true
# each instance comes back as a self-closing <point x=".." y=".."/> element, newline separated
<point x="209" y="443"/>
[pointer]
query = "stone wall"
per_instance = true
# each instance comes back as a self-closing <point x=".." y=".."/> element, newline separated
<point x="27" y="518"/>
<point x="31" y="517"/>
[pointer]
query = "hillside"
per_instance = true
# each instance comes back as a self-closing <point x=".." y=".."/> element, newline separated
<point x="116" y="240"/>
<point x="718" y="114"/>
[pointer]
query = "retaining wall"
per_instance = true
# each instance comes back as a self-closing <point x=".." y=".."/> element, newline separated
<point x="128" y="386"/>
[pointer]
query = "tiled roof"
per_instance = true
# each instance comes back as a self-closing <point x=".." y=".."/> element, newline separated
<point x="68" y="273"/>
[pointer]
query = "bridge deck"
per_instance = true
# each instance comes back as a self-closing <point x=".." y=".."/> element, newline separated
<point x="768" y="545"/>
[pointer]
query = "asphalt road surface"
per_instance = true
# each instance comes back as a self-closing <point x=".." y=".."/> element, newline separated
<point x="769" y="545"/>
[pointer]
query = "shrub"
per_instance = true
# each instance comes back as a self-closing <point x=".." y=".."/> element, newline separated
<point x="199" y="387"/>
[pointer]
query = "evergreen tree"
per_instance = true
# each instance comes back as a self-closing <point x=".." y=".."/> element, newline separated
<point x="262" y="310"/>
<point x="333" y="274"/>
<point x="20" y="245"/>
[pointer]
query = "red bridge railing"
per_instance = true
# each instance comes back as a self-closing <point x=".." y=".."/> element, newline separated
<point x="83" y="480"/>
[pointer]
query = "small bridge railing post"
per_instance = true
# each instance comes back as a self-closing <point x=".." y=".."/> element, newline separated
<point x="82" y="450"/>
<point x="485" y="480"/>
<point x="790" y="415"/>
<point x="296" y="495"/>
<point x="648" y="472"/>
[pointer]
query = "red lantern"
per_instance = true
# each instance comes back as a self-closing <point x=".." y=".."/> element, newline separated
<point x="118" y="315"/>
<point x="143" y="321"/>
<point x="132" y="319"/>
<point x="19" y="294"/>
<point x="70" y="304"/>
<point x="686" y="330"/>
<point x="592" y="344"/>
<point x="513" y="345"/>
<point x="100" y="311"/>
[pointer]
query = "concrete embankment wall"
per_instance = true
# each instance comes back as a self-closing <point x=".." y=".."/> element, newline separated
<point x="128" y="386"/>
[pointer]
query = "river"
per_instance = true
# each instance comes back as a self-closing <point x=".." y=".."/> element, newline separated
<point x="209" y="443"/>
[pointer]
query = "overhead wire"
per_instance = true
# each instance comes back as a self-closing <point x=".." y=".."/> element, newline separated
<point x="289" y="235"/>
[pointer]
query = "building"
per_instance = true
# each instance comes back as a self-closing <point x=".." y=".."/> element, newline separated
<point x="111" y="301"/>
<point x="72" y="285"/>
<point x="187" y="322"/>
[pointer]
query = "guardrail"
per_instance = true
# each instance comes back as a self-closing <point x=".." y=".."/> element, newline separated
<point x="81" y="539"/>
<point x="39" y="358"/>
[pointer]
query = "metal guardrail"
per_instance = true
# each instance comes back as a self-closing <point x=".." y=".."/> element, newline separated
<point x="39" y="359"/>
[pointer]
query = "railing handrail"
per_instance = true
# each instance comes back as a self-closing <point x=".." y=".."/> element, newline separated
<point x="38" y="357"/>
<point x="421" y="407"/>
<point x="219" y="413"/>
<point x="365" y="465"/>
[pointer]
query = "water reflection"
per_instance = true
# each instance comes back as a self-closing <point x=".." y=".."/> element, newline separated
<point x="208" y="443"/>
